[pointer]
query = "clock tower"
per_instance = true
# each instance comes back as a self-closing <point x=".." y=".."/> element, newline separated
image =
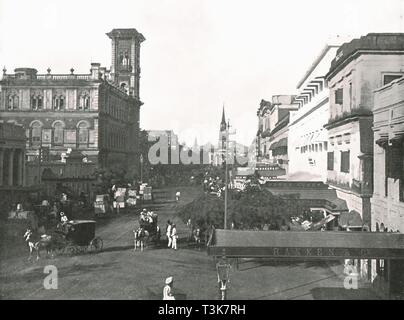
<point x="125" y="67"/>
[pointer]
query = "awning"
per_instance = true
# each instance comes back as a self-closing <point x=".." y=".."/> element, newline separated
<point x="280" y="143"/>
<point x="273" y="146"/>
<point x="313" y="245"/>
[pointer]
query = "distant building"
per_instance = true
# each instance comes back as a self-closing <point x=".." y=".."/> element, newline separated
<point x="273" y="129"/>
<point x="220" y="152"/>
<point x="308" y="139"/>
<point x="95" y="113"/>
<point x="360" y="66"/>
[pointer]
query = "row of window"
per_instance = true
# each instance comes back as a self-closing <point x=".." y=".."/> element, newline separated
<point x="58" y="135"/>
<point x="339" y="93"/>
<point x="58" y="102"/>
<point x="116" y="141"/>
<point x="344" y="163"/>
<point x="116" y="107"/>
<point x="317" y="147"/>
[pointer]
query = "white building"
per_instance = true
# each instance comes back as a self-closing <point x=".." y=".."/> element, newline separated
<point x="307" y="150"/>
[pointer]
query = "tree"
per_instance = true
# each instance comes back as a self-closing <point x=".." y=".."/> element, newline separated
<point x="248" y="209"/>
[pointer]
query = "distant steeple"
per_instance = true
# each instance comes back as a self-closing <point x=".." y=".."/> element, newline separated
<point x="223" y="122"/>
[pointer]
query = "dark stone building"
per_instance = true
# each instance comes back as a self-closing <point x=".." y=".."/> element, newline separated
<point x="95" y="113"/>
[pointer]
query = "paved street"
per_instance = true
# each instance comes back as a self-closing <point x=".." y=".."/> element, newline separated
<point x="120" y="273"/>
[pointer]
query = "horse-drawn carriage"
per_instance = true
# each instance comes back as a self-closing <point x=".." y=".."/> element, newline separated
<point x="73" y="237"/>
<point x="80" y="236"/>
<point x="151" y="226"/>
<point x="148" y="231"/>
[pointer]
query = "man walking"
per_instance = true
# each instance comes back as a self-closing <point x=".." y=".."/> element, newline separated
<point x="174" y="237"/>
<point x="168" y="233"/>
<point x="177" y="196"/>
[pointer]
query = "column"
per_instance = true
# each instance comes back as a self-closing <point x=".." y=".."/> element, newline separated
<point x="10" y="167"/>
<point x="23" y="169"/>
<point x="1" y="166"/>
<point x="20" y="171"/>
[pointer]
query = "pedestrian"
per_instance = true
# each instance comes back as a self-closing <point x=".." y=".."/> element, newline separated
<point x="168" y="233"/>
<point x="177" y="196"/>
<point x="174" y="237"/>
<point x="167" y="291"/>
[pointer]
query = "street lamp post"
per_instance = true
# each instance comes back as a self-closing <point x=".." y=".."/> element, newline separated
<point x="223" y="270"/>
<point x="141" y="168"/>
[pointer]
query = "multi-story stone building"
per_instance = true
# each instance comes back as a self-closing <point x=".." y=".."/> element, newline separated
<point x="388" y="127"/>
<point x="12" y="166"/>
<point x="388" y="192"/>
<point x="12" y="155"/>
<point x="359" y="67"/>
<point x="308" y="139"/>
<point x="273" y="123"/>
<point x="96" y="113"/>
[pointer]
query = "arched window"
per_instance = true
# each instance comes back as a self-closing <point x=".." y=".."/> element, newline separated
<point x="36" y="101"/>
<point x="83" y="134"/>
<point x="13" y="101"/>
<point x="59" y="102"/>
<point x="84" y="101"/>
<point x="36" y="132"/>
<point x="58" y="131"/>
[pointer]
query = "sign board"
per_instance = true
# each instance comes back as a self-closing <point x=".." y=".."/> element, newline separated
<point x="307" y="245"/>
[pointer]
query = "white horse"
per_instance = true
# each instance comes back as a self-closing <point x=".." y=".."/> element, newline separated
<point x="141" y="237"/>
<point x="36" y="243"/>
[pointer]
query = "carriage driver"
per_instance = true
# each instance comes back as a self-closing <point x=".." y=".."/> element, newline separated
<point x="143" y="215"/>
<point x="63" y="218"/>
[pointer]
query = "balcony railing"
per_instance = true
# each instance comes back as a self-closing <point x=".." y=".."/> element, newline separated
<point x="359" y="187"/>
<point x="63" y="77"/>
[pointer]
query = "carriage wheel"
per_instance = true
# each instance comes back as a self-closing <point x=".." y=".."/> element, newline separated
<point x="96" y="244"/>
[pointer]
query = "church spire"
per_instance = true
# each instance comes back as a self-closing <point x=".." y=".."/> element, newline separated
<point x="223" y="122"/>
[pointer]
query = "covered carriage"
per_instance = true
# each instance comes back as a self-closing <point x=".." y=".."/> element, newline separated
<point x="80" y="236"/>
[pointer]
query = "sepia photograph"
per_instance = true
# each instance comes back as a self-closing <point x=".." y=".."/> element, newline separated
<point x="202" y="150"/>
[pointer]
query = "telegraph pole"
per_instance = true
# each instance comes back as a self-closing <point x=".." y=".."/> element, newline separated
<point x="226" y="172"/>
<point x="226" y="178"/>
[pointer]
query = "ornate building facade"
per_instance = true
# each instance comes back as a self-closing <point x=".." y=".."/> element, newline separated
<point x="360" y="67"/>
<point x="96" y="113"/>
<point x="272" y="135"/>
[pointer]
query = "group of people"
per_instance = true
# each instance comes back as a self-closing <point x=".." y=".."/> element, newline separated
<point x="147" y="216"/>
<point x="172" y="236"/>
<point x="213" y="185"/>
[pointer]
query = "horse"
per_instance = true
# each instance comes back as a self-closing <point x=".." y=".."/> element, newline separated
<point x="141" y="238"/>
<point x="36" y="242"/>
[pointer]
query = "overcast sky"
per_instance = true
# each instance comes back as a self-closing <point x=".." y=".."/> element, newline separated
<point x="198" y="54"/>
